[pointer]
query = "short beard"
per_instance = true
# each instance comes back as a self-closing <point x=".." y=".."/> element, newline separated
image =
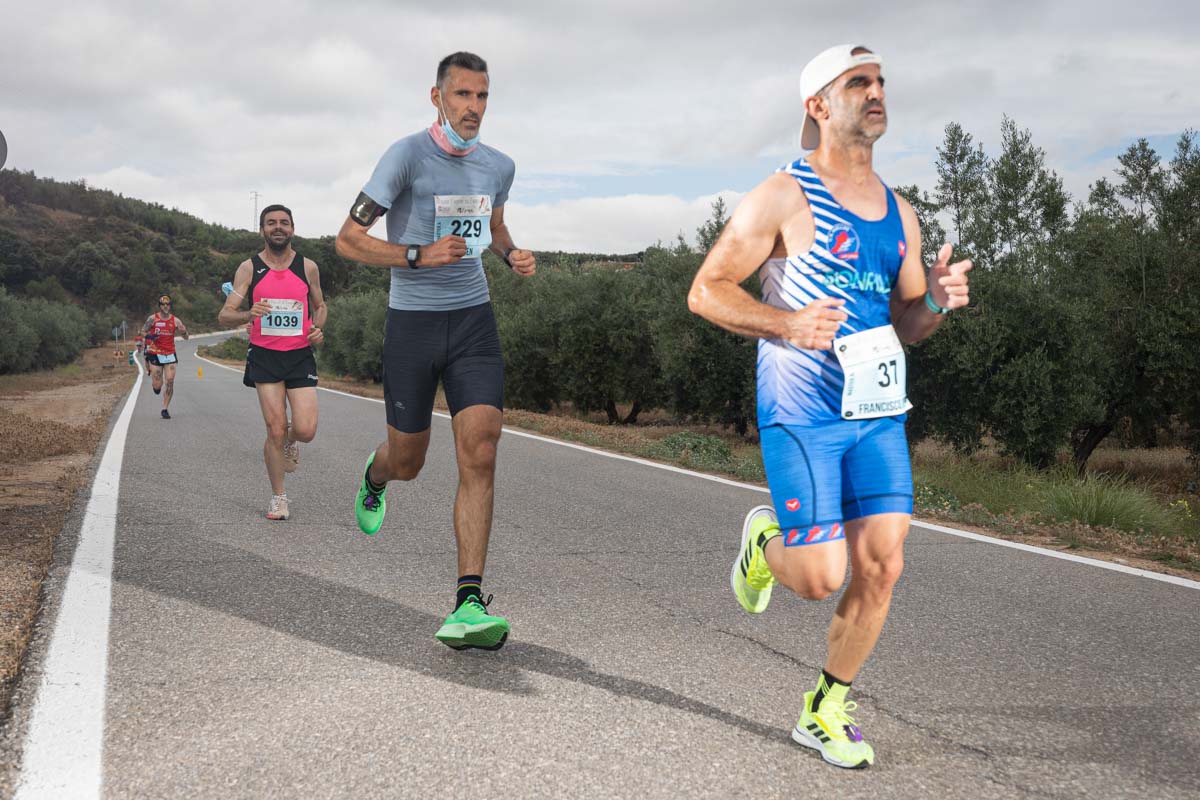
<point x="865" y="138"/>
<point x="278" y="248"/>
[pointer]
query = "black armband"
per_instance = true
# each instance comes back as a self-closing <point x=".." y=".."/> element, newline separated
<point x="365" y="210"/>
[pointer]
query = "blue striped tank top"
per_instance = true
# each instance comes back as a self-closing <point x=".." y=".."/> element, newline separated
<point x="851" y="258"/>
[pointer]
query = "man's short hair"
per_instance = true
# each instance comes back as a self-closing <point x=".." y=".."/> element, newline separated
<point x="262" y="218"/>
<point x="462" y="60"/>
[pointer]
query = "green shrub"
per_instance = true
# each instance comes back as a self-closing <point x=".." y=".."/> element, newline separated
<point x="354" y="332"/>
<point x="233" y="348"/>
<point x="528" y="321"/>
<point x="18" y="339"/>
<point x="1106" y="502"/>
<point x="63" y="331"/>
<point x="934" y="498"/>
<point x="101" y="323"/>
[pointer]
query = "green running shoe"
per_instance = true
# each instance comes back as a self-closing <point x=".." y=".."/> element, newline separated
<point x="833" y="734"/>
<point x="369" y="508"/>
<point x="471" y="626"/>
<point x="750" y="577"/>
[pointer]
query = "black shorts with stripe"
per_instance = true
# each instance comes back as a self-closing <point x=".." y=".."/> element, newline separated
<point x="296" y="369"/>
<point x="461" y="348"/>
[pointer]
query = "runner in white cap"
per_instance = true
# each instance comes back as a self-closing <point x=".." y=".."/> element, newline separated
<point x="839" y="257"/>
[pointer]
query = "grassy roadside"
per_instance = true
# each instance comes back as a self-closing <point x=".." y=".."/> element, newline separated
<point x="51" y="423"/>
<point x="1137" y="506"/>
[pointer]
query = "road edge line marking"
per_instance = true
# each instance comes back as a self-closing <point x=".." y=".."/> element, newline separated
<point x="62" y="755"/>
<point x="1029" y="548"/>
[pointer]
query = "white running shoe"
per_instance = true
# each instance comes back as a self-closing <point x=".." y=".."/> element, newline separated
<point x="279" y="507"/>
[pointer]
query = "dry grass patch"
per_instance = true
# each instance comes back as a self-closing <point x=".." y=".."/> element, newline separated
<point x="50" y="426"/>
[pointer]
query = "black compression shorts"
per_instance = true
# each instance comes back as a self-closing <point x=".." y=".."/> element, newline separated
<point x="461" y="348"/>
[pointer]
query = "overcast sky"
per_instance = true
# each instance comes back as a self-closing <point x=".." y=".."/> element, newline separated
<point x="626" y="118"/>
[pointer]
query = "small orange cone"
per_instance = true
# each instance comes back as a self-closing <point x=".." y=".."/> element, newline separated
<point x="199" y="372"/>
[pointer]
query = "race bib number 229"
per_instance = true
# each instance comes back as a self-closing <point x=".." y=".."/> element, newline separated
<point x="465" y="215"/>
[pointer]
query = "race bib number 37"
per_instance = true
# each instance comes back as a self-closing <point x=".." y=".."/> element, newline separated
<point x="286" y="318"/>
<point x="876" y="374"/>
<point x="465" y="215"/>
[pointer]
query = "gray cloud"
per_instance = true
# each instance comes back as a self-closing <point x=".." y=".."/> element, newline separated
<point x="195" y="105"/>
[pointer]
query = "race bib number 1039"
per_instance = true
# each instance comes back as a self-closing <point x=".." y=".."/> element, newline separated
<point x="286" y="318"/>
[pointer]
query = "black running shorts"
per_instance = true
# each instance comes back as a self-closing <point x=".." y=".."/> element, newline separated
<point x="168" y="360"/>
<point x="295" y="368"/>
<point x="461" y="348"/>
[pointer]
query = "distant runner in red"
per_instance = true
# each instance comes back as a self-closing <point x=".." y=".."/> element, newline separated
<point x="140" y="346"/>
<point x="160" y="329"/>
<point x="287" y="311"/>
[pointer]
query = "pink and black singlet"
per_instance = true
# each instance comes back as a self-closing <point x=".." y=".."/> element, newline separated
<point x="286" y="327"/>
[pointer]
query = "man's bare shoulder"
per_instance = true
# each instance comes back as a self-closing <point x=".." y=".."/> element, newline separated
<point x="908" y="214"/>
<point x="777" y="199"/>
<point x="786" y="187"/>
<point x="903" y="204"/>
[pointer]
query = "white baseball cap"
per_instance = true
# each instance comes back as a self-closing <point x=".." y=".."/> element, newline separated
<point x="822" y="71"/>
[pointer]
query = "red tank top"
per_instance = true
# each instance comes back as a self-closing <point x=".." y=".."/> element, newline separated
<point x="288" y="324"/>
<point x="162" y="335"/>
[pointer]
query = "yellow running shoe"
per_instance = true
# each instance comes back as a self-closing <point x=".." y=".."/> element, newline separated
<point x="750" y="577"/>
<point x="832" y="733"/>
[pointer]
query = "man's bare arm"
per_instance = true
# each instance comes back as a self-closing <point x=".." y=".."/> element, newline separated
<point x="316" y="298"/>
<point x="355" y="242"/>
<point x="231" y="313"/>
<point x="521" y="261"/>
<point x="748" y="240"/>
<point x="911" y="316"/>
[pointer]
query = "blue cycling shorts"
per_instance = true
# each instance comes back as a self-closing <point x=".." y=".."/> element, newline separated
<point x="822" y="475"/>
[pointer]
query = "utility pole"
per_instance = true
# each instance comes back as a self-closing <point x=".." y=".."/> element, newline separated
<point x="255" y="195"/>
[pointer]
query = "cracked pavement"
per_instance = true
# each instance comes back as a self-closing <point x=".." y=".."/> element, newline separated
<point x="251" y="658"/>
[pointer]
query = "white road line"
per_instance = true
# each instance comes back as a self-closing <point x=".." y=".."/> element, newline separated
<point x="1142" y="573"/>
<point x="62" y="756"/>
<point x="214" y="333"/>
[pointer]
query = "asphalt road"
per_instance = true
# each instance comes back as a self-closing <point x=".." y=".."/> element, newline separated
<point x="250" y="658"/>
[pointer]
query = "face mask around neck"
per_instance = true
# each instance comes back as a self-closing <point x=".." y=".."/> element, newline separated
<point x="456" y="141"/>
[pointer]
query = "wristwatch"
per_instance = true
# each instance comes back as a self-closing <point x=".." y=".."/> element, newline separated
<point x="413" y="254"/>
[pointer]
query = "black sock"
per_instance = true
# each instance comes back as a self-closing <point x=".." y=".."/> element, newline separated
<point x="824" y="686"/>
<point x="767" y="536"/>
<point x="468" y="586"/>
<point x="372" y="486"/>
